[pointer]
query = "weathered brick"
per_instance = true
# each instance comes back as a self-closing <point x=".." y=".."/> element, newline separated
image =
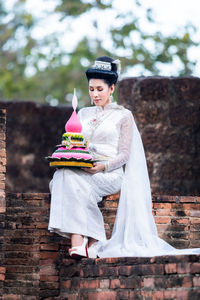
<point x="66" y="284"/>
<point x="114" y="283"/>
<point x="158" y="295"/>
<point x="109" y="260"/>
<point x="183" y="268"/>
<point x="104" y="283"/>
<point x="48" y="294"/>
<point x="183" y="294"/>
<point x="124" y="294"/>
<point x="196" y="281"/>
<point x="195" y="268"/>
<point x="48" y="270"/>
<point x="189" y="199"/>
<point x="23" y="276"/>
<point x="48" y="255"/>
<point x="89" y="271"/>
<point x="131" y="282"/>
<point x="126" y="270"/>
<point x="146" y="294"/>
<point x="187" y="281"/>
<point x="22" y="269"/>
<point x="160" y="282"/>
<point x="21" y="261"/>
<point x="155" y="295"/>
<point x="155" y="269"/>
<point x="52" y="247"/>
<point x="195" y="213"/>
<point x="103" y="295"/>
<point x="12" y="297"/>
<point x="195" y="235"/>
<point x="24" y="248"/>
<point x="2" y="277"/>
<point x="148" y="282"/>
<point x="170" y="294"/>
<point x="162" y="220"/>
<point x="162" y="205"/>
<point x="162" y="212"/>
<point x="90" y="284"/>
<point x="177" y="281"/>
<point x="70" y="296"/>
<point x="47" y="262"/>
<point x="2" y="270"/>
<point x="48" y="278"/>
<point x="108" y="271"/>
<point x="45" y="285"/>
<point x="22" y="290"/>
<point x="170" y="268"/>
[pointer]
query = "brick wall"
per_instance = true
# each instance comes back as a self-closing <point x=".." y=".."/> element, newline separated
<point x="38" y="266"/>
<point x="33" y="130"/>
<point x="2" y="193"/>
<point x="178" y="219"/>
<point x="166" y="110"/>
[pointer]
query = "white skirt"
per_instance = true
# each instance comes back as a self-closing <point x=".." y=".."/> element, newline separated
<point x="74" y="201"/>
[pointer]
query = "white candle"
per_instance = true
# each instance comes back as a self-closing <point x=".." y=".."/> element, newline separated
<point x="74" y="100"/>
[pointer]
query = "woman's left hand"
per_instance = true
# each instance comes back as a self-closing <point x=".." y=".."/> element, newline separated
<point x="95" y="169"/>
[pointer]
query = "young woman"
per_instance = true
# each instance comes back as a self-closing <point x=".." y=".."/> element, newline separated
<point x="116" y="143"/>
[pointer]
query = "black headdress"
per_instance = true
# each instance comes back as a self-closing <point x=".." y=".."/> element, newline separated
<point x="104" y="68"/>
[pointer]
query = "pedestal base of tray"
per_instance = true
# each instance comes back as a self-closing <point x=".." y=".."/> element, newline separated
<point x="80" y="164"/>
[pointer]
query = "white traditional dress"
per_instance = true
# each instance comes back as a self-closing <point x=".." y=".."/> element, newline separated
<point x="115" y="140"/>
<point x="74" y="192"/>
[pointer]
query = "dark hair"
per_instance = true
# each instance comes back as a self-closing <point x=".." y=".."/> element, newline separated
<point x="109" y="77"/>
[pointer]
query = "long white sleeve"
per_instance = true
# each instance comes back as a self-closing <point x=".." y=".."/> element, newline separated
<point x="122" y="157"/>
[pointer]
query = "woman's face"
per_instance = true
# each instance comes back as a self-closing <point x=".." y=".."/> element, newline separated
<point x="100" y="92"/>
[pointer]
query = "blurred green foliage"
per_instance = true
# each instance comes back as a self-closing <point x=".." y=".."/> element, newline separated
<point x="61" y="71"/>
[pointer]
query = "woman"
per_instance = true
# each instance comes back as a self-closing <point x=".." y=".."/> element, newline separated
<point x="115" y="141"/>
<point x="108" y="127"/>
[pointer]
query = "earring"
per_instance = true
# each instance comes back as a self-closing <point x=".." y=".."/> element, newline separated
<point x="91" y="101"/>
<point x="111" y="98"/>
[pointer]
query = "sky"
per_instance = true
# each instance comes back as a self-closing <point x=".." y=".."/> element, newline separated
<point x="169" y="16"/>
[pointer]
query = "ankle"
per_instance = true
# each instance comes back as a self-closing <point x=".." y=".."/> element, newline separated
<point x="76" y="240"/>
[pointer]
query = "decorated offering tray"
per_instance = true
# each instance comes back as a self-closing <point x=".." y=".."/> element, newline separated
<point x="73" y="151"/>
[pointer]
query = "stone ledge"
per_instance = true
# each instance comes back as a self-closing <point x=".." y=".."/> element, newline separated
<point x="163" y="277"/>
